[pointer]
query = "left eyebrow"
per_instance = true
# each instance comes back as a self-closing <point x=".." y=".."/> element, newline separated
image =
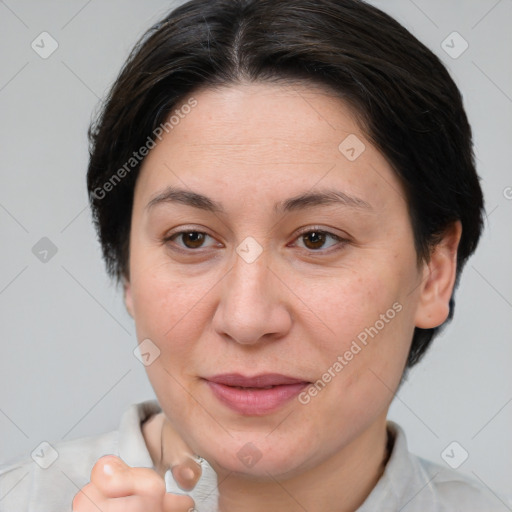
<point x="320" y="198"/>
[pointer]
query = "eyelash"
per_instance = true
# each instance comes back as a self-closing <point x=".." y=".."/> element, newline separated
<point x="314" y="229"/>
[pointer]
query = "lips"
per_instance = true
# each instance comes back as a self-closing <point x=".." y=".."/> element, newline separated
<point x="258" y="395"/>
<point x="259" y="381"/>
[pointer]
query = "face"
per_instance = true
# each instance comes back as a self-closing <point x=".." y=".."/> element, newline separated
<point x="251" y="279"/>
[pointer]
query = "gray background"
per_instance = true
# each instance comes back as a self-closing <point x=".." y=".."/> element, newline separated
<point x="67" y="367"/>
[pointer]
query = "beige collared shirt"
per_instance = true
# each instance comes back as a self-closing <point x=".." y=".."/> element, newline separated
<point x="49" y="481"/>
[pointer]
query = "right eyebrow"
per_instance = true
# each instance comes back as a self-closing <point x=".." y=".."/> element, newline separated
<point x="176" y="195"/>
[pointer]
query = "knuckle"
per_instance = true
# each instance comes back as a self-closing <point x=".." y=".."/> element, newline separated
<point x="83" y="497"/>
<point x="77" y="502"/>
<point x="178" y="502"/>
<point x="153" y="484"/>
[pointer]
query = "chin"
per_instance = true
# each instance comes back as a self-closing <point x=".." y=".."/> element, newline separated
<point x="259" y="460"/>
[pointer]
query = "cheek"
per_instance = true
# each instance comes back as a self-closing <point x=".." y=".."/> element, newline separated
<point x="347" y="304"/>
<point x="162" y="295"/>
<point x="363" y="331"/>
<point x="168" y="308"/>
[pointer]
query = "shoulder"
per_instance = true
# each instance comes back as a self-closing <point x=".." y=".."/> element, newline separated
<point x="53" y="473"/>
<point x="422" y="485"/>
<point x="457" y="491"/>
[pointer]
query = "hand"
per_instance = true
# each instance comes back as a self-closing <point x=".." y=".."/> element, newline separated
<point x="117" y="487"/>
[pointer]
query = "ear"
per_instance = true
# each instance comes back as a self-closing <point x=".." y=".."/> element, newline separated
<point x="128" y="300"/>
<point x="438" y="280"/>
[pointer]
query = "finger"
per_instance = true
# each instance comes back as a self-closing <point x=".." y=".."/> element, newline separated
<point x="88" y="499"/>
<point x="111" y="476"/>
<point x="177" y="503"/>
<point x="115" y="479"/>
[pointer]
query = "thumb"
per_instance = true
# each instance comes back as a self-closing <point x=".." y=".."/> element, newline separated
<point x="115" y="479"/>
<point x="111" y="475"/>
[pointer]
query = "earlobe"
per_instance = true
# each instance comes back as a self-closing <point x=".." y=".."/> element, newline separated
<point x="439" y="279"/>
<point x="128" y="300"/>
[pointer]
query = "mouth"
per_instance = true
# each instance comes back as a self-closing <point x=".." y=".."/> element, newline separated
<point x="256" y="396"/>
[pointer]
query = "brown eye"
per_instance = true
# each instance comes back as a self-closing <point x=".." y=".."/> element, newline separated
<point x="193" y="239"/>
<point x="189" y="239"/>
<point x="318" y="240"/>
<point x="314" y="239"/>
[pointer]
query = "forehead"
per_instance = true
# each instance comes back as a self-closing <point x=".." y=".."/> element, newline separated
<point x="264" y="116"/>
<point x="268" y="139"/>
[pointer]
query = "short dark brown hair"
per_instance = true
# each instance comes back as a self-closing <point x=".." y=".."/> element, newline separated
<point x="406" y="103"/>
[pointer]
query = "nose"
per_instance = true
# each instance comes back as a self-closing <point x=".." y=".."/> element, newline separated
<point x="252" y="306"/>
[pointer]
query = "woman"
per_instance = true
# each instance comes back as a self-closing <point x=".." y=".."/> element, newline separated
<point x="287" y="192"/>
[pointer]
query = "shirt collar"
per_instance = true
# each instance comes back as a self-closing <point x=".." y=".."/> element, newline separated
<point x="132" y="447"/>
<point x="403" y="479"/>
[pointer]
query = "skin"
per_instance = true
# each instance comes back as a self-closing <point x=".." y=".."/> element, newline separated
<point x="248" y="147"/>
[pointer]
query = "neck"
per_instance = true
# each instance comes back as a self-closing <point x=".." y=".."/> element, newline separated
<point x="340" y="484"/>
<point x="151" y="431"/>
